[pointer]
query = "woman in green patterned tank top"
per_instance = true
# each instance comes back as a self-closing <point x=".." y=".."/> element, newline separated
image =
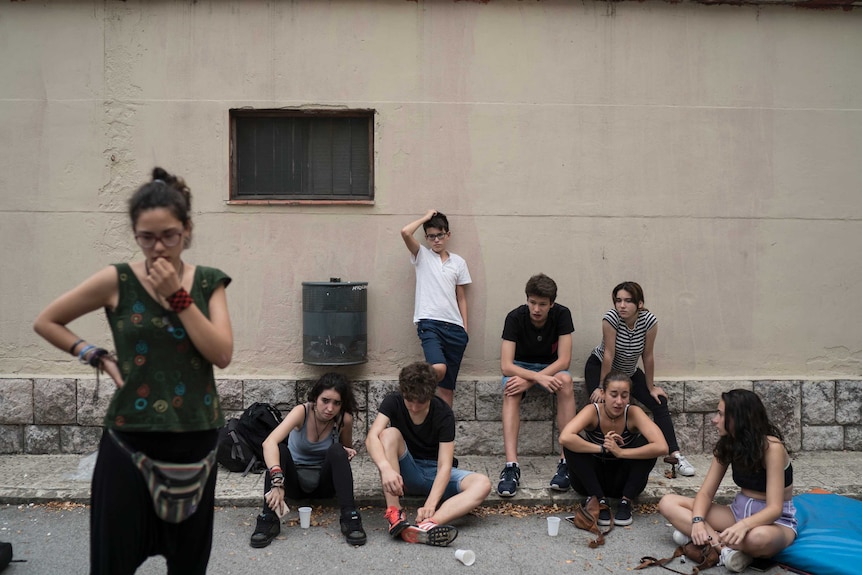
<point x="170" y="324"/>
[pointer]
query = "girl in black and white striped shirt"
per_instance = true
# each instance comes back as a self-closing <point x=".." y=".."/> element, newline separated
<point x="628" y="335"/>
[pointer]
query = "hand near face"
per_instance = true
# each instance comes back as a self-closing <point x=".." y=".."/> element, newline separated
<point x="163" y="278"/>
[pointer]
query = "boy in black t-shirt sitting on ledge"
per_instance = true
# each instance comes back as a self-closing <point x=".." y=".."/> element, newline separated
<point x="536" y="352"/>
<point x="412" y="441"/>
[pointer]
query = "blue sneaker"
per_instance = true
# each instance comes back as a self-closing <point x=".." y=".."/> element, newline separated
<point x="561" y="482"/>
<point x="510" y="477"/>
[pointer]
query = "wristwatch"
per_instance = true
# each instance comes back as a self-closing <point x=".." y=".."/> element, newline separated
<point x="697" y="519"/>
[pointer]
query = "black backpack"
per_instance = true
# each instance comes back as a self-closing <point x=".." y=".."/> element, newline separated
<point x="240" y="444"/>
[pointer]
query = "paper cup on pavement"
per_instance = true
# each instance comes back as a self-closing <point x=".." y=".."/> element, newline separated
<point x="553" y="526"/>
<point x="305" y="517"/>
<point x="465" y="556"/>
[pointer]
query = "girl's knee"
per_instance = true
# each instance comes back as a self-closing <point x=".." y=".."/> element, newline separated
<point x="336" y="451"/>
<point x="669" y="503"/>
<point x="764" y="541"/>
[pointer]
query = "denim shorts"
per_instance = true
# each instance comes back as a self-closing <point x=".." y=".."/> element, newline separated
<point x="744" y="506"/>
<point x="419" y="475"/>
<point x="537" y="367"/>
<point x="443" y="342"/>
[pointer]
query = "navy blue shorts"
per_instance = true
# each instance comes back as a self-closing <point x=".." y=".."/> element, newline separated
<point x="444" y="343"/>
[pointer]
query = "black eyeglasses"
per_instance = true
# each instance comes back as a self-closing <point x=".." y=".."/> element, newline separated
<point x="435" y="237"/>
<point x="169" y="239"/>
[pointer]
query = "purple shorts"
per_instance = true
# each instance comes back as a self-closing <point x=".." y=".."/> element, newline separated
<point x="744" y="506"/>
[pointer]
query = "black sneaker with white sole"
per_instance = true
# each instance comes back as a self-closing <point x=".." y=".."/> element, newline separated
<point x="623" y="515"/>
<point x="510" y="478"/>
<point x="561" y="482"/>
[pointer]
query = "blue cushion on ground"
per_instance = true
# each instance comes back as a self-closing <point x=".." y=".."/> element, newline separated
<point x="830" y="535"/>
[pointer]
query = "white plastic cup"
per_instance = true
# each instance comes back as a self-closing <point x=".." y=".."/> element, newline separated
<point x="305" y="517"/>
<point x="553" y="526"/>
<point x="465" y="556"/>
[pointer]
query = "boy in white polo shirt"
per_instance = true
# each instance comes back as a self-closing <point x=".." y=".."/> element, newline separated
<point x="440" y="310"/>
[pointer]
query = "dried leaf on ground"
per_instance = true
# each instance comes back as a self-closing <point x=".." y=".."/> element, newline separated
<point x="62" y="505"/>
<point x="514" y="510"/>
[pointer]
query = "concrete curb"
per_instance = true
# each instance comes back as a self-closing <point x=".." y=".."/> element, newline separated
<point x="51" y="478"/>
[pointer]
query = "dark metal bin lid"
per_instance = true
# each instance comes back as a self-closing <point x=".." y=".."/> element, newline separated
<point x="332" y="284"/>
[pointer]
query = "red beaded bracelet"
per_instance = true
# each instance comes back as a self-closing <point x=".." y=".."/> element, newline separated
<point x="180" y="300"/>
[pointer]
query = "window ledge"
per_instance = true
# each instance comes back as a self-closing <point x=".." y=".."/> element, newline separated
<point x="300" y="202"/>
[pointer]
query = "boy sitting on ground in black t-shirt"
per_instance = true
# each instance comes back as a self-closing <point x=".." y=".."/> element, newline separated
<point x="412" y="441"/>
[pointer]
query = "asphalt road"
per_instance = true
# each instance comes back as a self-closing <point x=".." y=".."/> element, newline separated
<point x="54" y="540"/>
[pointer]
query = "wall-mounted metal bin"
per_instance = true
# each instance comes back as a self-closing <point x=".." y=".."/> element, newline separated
<point x="334" y="323"/>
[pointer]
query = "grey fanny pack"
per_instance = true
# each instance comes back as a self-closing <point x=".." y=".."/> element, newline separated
<point x="175" y="488"/>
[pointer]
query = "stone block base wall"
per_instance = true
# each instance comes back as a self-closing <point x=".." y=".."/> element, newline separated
<point x="42" y="415"/>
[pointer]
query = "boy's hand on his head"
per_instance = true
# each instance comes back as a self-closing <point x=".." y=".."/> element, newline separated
<point x="430" y="214"/>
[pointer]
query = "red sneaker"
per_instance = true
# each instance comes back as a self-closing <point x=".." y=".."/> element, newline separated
<point x="396" y="520"/>
<point x="429" y="533"/>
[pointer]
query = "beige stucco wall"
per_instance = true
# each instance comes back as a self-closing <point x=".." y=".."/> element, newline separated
<point x="709" y="152"/>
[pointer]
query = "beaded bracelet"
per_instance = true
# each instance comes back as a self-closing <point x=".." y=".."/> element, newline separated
<point x="96" y="357"/>
<point x="180" y="300"/>
<point x="277" y="479"/>
<point x="74" y="345"/>
<point x="82" y="355"/>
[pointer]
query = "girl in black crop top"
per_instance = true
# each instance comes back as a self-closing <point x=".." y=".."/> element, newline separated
<point x="610" y="449"/>
<point x="761" y="521"/>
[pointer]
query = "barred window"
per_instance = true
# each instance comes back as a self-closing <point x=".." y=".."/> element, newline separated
<point x="302" y="155"/>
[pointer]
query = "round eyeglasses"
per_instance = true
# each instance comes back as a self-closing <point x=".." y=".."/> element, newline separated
<point x="169" y="239"/>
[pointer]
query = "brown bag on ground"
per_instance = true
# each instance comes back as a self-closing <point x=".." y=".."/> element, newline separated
<point x="587" y="519"/>
<point x="705" y="556"/>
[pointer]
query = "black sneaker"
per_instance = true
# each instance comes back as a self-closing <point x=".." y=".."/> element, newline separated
<point x="604" y="514"/>
<point x="623" y="515"/>
<point x="561" y="482"/>
<point x="510" y="477"/>
<point x="268" y="527"/>
<point x="351" y="527"/>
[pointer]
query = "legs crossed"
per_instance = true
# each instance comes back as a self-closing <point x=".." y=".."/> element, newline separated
<point x="465" y="492"/>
